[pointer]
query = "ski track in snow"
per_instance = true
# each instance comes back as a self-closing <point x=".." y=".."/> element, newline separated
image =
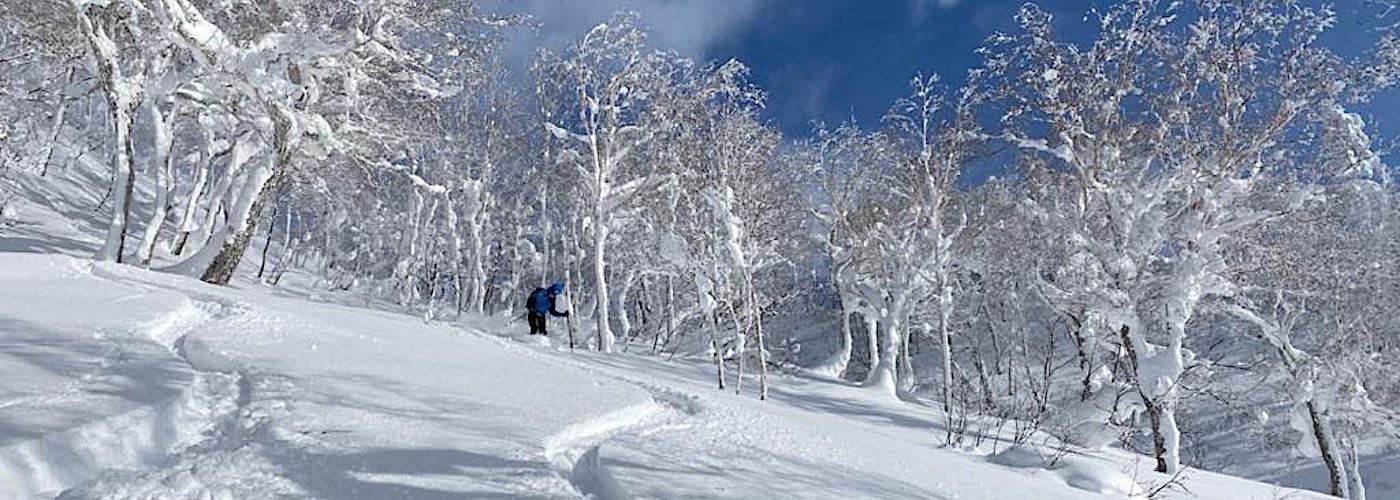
<point x="214" y="420"/>
<point x="144" y="437"/>
<point x="234" y="425"/>
<point x="225" y="392"/>
<point x="575" y="450"/>
<point x="205" y="417"/>
<point x="229" y="440"/>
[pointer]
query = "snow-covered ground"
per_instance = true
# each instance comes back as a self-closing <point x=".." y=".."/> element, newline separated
<point x="123" y="383"/>
<point x="381" y="152"/>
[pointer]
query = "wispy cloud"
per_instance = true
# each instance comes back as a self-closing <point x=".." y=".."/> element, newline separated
<point x="920" y="9"/>
<point x="808" y="93"/>
<point x="689" y="27"/>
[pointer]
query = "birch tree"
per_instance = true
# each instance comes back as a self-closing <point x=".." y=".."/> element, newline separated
<point x="837" y="164"/>
<point x="1312" y="294"/>
<point x="106" y="28"/>
<point x="753" y="215"/>
<point x="609" y="78"/>
<point x="939" y="149"/>
<point x="886" y="272"/>
<point x="1168" y="126"/>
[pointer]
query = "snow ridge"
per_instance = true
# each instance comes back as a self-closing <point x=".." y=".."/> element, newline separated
<point x="142" y="438"/>
<point x="574" y="450"/>
<point x="227" y="423"/>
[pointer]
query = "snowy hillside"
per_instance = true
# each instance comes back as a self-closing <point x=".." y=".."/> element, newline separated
<point x="123" y="383"/>
<point x="383" y="249"/>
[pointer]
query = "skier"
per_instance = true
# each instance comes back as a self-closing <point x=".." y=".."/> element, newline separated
<point x="541" y="302"/>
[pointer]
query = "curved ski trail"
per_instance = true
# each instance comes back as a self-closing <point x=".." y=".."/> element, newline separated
<point x="575" y="450"/>
<point x="206" y="417"/>
<point x="145" y="436"/>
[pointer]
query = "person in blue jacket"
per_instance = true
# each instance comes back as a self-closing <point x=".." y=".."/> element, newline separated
<point x="540" y="303"/>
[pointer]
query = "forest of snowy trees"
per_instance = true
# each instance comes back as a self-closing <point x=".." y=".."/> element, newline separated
<point x="1189" y="210"/>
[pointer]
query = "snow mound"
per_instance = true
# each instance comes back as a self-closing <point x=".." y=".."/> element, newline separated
<point x="94" y="391"/>
<point x="1077" y="471"/>
<point x="219" y="475"/>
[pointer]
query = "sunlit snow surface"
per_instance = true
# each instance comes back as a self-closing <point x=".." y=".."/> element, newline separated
<point x="123" y="383"/>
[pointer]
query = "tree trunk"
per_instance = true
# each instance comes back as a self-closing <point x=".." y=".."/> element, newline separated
<point x="221" y="270"/>
<point x="719" y="350"/>
<point x="191" y="205"/>
<point x="261" y="183"/>
<point x="267" y="243"/>
<point x="242" y="150"/>
<point x="407" y="269"/>
<point x="843" y="356"/>
<point x="946" y="346"/>
<point x="884" y="374"/>
<point x="906" y="365"/>
<point x="624" y="318"/>
<point x="1358" y="489"/>
<point x="872" y="350"/>
<point x="512" y="283"/>
<point x="709" y="308"/>
<point x="600" y="279"/>
<point x="120" y="107"/>
<point x="840" y="361"/>
<point x="547" y="230"/>
<point x="1154" y="410"/>
<point x="740" y="342"/>
<point x="454" y="256"/>
<point x="1326" y="445"/>
<point x="762" y="355"/>
<point x="1166" y="402"/>
<point x="984" y="381"/>
<point x="1086" y="367"/>
<point x="670" y="315"/>
<point x="569" y="320"/>
<point x="165" y="171"/>
<point x="476" y="216"/>
<point x="284" y="258"/>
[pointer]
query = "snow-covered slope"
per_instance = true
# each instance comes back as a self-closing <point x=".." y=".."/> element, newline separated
<point x="122" y="383"/>
<point x="328" y="401"/>
<point x="85" y="389"/>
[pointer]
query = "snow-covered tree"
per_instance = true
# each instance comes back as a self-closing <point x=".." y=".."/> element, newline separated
<point x="1313" y="292"/>
<point x="837" y="162"/>
<point x="752" y="216"/>
<point x="608" y="81"/>
<point x="939" y="148"/>
<point x="1168" y="123"/>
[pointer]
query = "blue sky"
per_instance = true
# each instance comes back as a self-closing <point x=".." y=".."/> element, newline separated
<point x="832" y="60"/>
<point x="838" y="59"/>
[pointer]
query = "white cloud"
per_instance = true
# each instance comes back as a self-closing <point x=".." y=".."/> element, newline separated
<point x="689" y="27"/>
<point x="920" y="9"/>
